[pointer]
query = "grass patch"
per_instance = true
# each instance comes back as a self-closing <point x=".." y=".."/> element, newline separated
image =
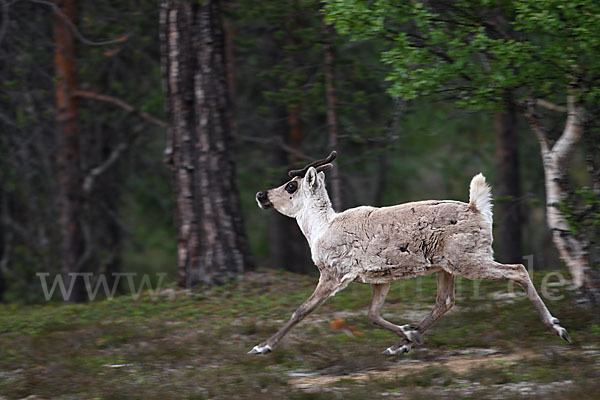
<point x="194" y="346"/>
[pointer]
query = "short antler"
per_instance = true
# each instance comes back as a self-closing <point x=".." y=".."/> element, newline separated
<point x="320" y="165"/>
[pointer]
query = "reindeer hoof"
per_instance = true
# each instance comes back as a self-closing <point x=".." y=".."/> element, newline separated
<point x="260" y="349"/>
<point x="562" y="332"/>
<point x="559" y="330"/>
<point x="390" y="351"/>
<point x="411" y="332"/>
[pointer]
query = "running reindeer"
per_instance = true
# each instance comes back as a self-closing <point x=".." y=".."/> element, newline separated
<point x="381" y="245"/>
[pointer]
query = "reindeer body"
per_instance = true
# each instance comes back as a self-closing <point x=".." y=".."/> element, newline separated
<point x="380" y="245"/>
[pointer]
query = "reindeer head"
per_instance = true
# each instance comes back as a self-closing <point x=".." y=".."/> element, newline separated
<point x="306" y="187"/>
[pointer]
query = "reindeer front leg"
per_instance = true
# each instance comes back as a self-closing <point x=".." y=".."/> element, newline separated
<point x="327" y="287"/>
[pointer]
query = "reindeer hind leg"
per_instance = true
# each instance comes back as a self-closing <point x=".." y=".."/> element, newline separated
<point x="443" y="303"/>
<point x="517" y="273"/>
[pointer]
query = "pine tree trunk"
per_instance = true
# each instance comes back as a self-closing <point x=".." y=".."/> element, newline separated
<point x="507" y="210"/>
<point x="332" y="124"/>
<point x="178" y="63"/>
<point x="298" y="259"/>
<point x="68" y="149"/>
<point x="287" y="245"/>
<point x="225" y="252"/>
<point x="212" y="245"/>
<point x="281" y="254"/>
<point x="3" y="243"/>
<point x="379" y="179"/>
<point x="104" y="204"/>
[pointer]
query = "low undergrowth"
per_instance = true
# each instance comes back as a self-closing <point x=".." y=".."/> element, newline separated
<point x="181" y="345"/>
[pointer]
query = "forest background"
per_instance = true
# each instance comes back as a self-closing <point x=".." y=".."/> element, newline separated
<point x="135" y="134"/>
<point x="297" y="88"/>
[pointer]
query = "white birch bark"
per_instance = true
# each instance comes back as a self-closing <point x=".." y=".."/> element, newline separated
<point x="572" y="250"/>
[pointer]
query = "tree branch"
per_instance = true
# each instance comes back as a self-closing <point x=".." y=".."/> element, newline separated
<point x="74" y="29"/>
<point x="275" y="142"/>
<point x="550" y="106"/>
<point x="88" y="182"/>
<point x="120" y="103"/>
<point x="573" y="129"/>
<point x="537" y="128"/>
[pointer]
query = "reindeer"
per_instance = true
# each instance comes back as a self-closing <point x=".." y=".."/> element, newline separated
<point x="377" y="246"/>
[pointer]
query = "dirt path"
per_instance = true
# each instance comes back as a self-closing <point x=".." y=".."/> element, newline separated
<point x="458" y="363"/>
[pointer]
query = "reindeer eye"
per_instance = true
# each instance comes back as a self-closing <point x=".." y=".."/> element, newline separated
<point x="291" y="187"/>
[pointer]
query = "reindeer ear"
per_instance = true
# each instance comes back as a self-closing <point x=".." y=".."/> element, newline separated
<point x="321" y="176"/>
<point x="311" y="179"/>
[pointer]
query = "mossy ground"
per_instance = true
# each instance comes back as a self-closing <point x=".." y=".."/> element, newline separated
<point x="193" y="346"/>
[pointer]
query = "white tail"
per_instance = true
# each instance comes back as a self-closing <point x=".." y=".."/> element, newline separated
<point x="480" y="196"/>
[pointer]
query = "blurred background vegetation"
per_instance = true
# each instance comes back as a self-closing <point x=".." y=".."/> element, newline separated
<point x="135" y="134"/>
<point x="400" y="136"/>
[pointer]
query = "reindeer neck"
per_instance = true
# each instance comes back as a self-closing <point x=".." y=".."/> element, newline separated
<point x="314" y="219"/>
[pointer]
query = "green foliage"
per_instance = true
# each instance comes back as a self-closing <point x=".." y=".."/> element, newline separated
<point x="477" y="50"/>
<point x="582" y="210"/>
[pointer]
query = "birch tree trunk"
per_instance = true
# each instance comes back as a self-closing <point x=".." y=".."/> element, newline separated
<point x="573" y="250"/>
<point x="68" y="149"/>
<point x="212" y="245"/>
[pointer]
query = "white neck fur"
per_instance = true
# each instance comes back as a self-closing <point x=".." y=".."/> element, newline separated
<point x="315" y="218"/>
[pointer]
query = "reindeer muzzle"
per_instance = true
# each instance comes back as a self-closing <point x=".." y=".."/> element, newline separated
<point x="262" y="198"/>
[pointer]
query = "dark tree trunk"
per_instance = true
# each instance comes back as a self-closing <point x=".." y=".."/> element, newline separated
<point x="3" y="244"/>
<point x="104" y="203"/>
<point x="68" y="150"/>
<point x="2" y="286"/>
<point x="230" y="61"/>
<point x="379" y="179"/>
<point x="280" y="246"/>
<point x="287" y="245"/>
<point x="178" y="65"/>
<point x="507" y="209"/>
<point x="225" y="252"/>
<point x="212" y="245"/>
<point x="332" y="124"/>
